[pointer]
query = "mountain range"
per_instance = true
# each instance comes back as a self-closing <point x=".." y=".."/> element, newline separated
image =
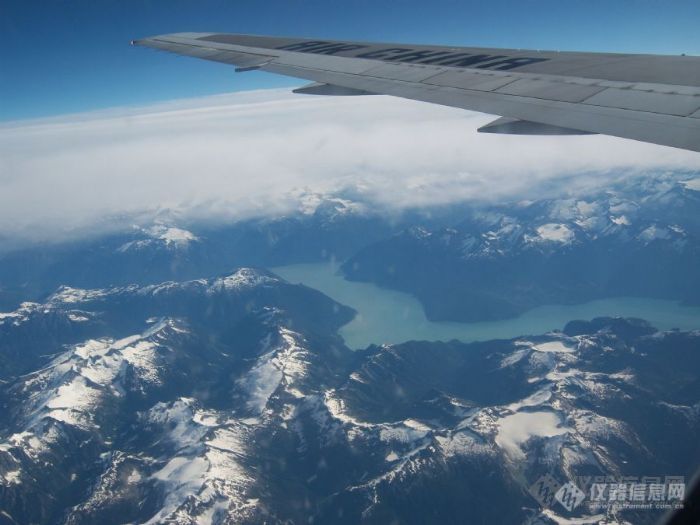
<point x="233" y="400"/>
<point x="165" y="375"/>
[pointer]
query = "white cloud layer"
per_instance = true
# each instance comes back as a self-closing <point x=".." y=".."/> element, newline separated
<point x="244" y="154"/>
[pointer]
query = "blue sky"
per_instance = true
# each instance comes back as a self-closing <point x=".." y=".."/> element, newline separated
<point x="61" y="56"/>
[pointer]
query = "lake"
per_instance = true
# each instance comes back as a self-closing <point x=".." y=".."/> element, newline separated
<point x="388" y="316"/>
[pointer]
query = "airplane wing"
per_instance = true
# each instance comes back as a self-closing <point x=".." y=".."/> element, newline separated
<point x="651" y="98"/>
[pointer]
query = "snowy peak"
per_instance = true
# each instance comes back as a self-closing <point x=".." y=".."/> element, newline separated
<point x="280" y="372"/>
<point x="327" y="205"/>
<point x="199" y="417"/>
<point x="556" y="416"/>
<point x="172" y="236"/>
<point x="76" y="383"/>
<point x="160" y="235"/>
<point x="243" y="278"/>
<point x="204" y="472"/>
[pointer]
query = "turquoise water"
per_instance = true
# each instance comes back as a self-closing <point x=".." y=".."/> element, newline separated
<point x="387" y="316"/>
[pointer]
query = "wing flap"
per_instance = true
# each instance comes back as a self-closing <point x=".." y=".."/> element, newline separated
<point x="664" y="103"/>
<point x="471" y="80"/>
<point x="548" y="90"/>
<point x="399" y="72"/>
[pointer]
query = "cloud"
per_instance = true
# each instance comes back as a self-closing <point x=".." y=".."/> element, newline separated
<point x="246" y="154"/>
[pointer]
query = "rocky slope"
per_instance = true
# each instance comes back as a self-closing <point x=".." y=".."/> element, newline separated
<point x="232" y="400"/>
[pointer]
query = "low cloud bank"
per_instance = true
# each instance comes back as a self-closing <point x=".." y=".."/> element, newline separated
<point x="247" y="154"/>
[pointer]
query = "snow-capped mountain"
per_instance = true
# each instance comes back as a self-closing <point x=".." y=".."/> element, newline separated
<point x="161" y="235"/>
<point x="144" y="381"/>
<point x="504" y="260"/>
<point x="118" y="410"/>
<point x="168" y="248"/>
<point x="233" y="400"/>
